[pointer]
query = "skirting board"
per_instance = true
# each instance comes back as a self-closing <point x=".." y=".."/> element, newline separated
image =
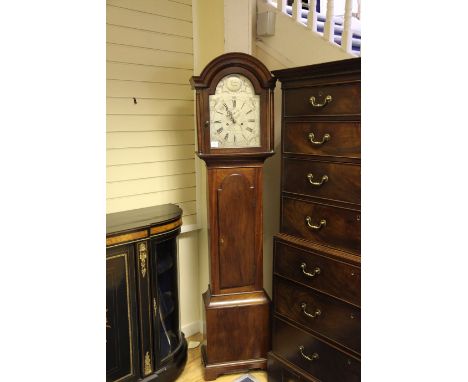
<point x="192" y="328"/>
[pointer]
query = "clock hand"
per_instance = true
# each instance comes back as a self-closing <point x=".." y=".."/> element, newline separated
<point x="229" y="114"/>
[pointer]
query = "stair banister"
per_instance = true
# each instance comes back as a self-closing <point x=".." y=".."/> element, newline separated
<point x="346" y="37"/>
<point x="328" y="32"/>
<point x="312" y="16"/>
<point x="297" y="10"/>
<point x="281" y="5"/>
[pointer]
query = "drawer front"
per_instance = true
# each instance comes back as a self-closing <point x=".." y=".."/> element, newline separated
<point x="334" y="181"/>
<point x="338" y="139"/>
<point x="280" y="371"/>
<point x="333" y="226"/>
<point x="333" y="277"/>
<point x="325" y="362"/>
<point x="339" y="99"/>
<point x="334" y="319"/>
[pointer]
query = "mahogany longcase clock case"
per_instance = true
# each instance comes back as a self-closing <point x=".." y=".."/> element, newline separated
<point x="234" y="102"/>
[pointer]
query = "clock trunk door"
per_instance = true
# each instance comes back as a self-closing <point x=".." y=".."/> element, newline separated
<point x="238" y="213"/>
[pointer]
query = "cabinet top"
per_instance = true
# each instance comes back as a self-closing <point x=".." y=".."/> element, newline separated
<point x="349" y="66"/>
<point x="125" y="221"/>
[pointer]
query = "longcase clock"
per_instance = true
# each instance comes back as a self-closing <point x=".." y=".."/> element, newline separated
<point x="234" y="102"/>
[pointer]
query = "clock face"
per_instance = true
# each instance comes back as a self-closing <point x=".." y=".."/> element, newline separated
<point x="234" y="114"/>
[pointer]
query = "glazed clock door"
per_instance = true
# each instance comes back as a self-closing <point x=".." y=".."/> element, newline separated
<point x="121" y="332"/>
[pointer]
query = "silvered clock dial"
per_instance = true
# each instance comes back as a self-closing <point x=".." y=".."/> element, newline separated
<point x="234" y="114"/>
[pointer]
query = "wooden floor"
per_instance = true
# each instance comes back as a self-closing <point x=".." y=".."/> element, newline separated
<point x="193" y="371"/>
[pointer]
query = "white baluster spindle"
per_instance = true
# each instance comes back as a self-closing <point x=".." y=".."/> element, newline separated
<point x="329" y="29"/>
<point x="281" y="5"/>
<point x="312" y="16"/>
<point x="297" y="10"/>
<point x="347" y="36"/>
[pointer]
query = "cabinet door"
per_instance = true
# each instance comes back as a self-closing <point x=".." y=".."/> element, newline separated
<point x="166" y="303"/>
<point x="121" y="332"/>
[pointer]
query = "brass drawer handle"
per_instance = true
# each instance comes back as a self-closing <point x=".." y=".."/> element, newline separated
<point x="317" y="312"/>
<point x="325" y="138"/>
<point x="316" y="271"/>
<point x="323" y="223"/>
<point x="328" y="99"/>
<point x="310" y="176"/>
<point x="313" y="357"/>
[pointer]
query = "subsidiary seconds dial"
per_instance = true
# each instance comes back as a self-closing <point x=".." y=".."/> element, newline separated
<point x="234" y="114"/>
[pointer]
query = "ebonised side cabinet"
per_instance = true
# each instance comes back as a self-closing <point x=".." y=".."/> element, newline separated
<point x="143" y="337"/>
<point x="316" y="267"/>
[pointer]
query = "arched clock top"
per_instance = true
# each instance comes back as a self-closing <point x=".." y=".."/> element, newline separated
<point x="230" y="60"/>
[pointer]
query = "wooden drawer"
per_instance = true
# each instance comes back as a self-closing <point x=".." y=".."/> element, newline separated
<point x="344" y="138"/>
<point x="326" y="363"/>
<point x="335" y="278"/>
<point x="334" y="181"/>
<point x="329" y="317"/>
<point x="335" y="226"/>
<point x="345" y="100"/>
<point x="280" y="370"/>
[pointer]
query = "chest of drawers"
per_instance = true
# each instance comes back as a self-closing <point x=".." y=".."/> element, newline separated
<point x="316" y="271"/>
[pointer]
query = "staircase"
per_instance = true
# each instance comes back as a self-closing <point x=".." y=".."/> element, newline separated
<point x="337" y="22"/>
<point x="304" y="35"/>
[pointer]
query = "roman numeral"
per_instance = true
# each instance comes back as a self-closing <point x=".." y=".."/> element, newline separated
<point x="242" y="105"/>
<point x="226" y="136"/>
<point x="233" y="103"/>
<point x="251" y="120"/>
<point x="249" y="111"/>
<point x="217" y="121"/>
<point x="250" y="129"/>
<point x="219" y="130"/>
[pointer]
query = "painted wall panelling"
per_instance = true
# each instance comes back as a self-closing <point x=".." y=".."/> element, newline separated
<point x="150" y="122"/>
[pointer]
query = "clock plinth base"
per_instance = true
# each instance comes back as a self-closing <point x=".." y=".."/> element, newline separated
<point x="237" y="336"/>
<point x="214" y="370"/>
